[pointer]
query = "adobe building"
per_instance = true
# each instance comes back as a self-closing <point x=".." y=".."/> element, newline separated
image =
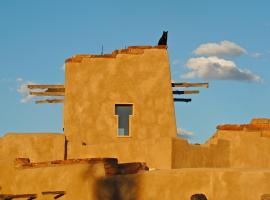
<point x="120" y="140"/>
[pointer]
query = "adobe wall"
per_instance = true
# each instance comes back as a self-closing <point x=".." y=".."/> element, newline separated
<point x="75" y="179"/>
<point x="185" y="155"/>
<point x="36" y="146"/>
<point x="216" y="184"/>
<point x="89" y="181"/>
<point x="233" y="146"/>
<point x="155" y="152"/>
<point x="249" y="149"/>
<point x="94" y="84"/>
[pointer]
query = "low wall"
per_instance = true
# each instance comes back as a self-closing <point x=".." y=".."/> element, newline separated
<point x="186" y="155"/>
<point x="36" y="146"/>
<point x="156" y="153"/>
<point x="76" y="180"/>
<point x="216" y="184"/>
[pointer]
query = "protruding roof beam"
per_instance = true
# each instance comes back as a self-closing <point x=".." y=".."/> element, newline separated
<point x="45" y="86"/>
<point x="18" y="196"/>
<point x="181" y="100"/>
<point x="190" y="85"/>
<point x="47" y="93"/>
<point x="186" y="92"/>
<point x="57" y="194"/>
<point x="50" y="101"/>
<point x="47" y="90"/>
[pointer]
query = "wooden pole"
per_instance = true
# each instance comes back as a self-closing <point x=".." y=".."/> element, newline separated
<point x="190" y="85"/>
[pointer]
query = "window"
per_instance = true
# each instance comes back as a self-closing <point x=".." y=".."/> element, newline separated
<point x="123" y="111"/>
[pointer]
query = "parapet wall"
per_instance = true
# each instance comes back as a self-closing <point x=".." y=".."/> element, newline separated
<point x="186" y="155"/>
<point x="232" y="146"/>
<point x="36" y="146"/>
<point x="73" y="178"/>
<point x="216" y="184"/>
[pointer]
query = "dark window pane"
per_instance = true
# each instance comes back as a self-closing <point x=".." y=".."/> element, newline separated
<point x="123" y="111"/>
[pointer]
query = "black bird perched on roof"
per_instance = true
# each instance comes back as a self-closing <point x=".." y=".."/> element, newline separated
<point x="163" y="39"/>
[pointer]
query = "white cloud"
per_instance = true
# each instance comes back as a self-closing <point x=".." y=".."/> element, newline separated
<point x="256" y="55"/>
<point x="224" y="48"/>
<point x="184" y="133"/>
<point x="218" y="69"/>
<point x="24" y="90"/>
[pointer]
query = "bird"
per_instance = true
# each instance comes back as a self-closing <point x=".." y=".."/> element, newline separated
<point x="163" y="39"/>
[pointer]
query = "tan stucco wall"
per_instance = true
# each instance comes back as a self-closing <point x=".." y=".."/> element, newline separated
<point x="76" y="180"/>
<point x="36" y="146"/>
<point x="226" y="148"/>
<point x="155" y="152"/>
<point x="216" y="184"/>
<point x="186" y="155"/>
<point x="88" y="181"/>
<point x="248" y="148"/>
<point x="138" y="76"/>
<point x="94" y="85"/>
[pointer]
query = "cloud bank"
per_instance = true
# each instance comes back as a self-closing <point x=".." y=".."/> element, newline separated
<point x="224" y="48"/>
<point x="214" y="68"/>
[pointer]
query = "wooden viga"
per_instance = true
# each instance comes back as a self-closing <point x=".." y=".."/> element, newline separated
<point x="184" y="85"/>
<point x="56" y="91"/>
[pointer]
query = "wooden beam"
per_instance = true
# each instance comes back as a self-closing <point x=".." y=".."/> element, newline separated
<point x="181" y="100"/>
<point x="53" y="192"/>
<point x="186" y="92"/>
<point x="45" y="86"/>
<point x="55" y="90"/>
<point x="17" y="196"/>
<point x="50" y="101"/>
<point x="47" y="93"/>
<point x="190" y="85"/>
<point x="57" y="194"/>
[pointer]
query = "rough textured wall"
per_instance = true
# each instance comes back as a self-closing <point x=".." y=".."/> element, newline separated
<point x="249" y="149"/>
<point x="235" y="146"/>
<point x="77" y="180"/>
<point x="250" y="143"/>
<point x="155" y="152"/>
<point x="38" y="147"/>
<point x="186" y="155"/>
<point x="216" y="184"/>
<point x="94" y="84"/>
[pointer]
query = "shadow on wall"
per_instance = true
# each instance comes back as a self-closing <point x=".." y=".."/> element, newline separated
<point x="124" y="188"/>
<point x="198" y="197"/>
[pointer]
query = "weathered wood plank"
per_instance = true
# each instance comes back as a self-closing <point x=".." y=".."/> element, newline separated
<point x="17" y="196"/>
<point x="57" y="194"/>
<point x="181" y="100"/>
<point x="190" y="85"/>
<point x="45" y="86"/>
<point x="50" y="101"/>
<point x="186" y="92"/>
<point x="55" y="90"/>
<point x="47" y="93"/>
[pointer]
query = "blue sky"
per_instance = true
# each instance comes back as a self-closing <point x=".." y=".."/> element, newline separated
<point x="37" y="36"/>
